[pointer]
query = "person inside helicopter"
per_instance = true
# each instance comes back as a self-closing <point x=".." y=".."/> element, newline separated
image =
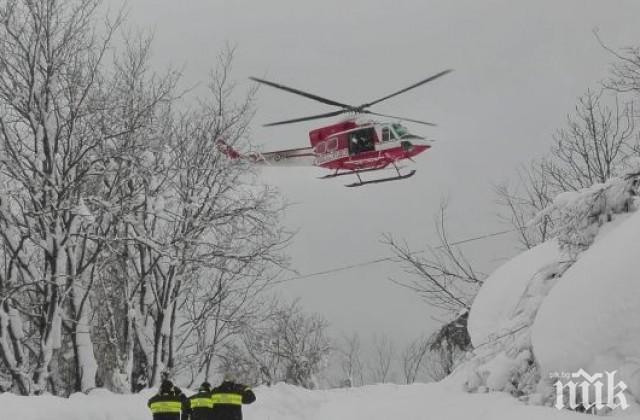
<point x="361" y="141"/>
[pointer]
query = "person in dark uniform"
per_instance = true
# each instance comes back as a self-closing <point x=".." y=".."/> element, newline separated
<point x="200" y="404"/>
<point x="169" y="403"/>
<point x="186" y="412"/>
<point x="228" y="398"/>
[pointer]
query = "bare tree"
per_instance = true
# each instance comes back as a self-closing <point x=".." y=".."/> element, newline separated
<point x="116" y="208"/>
<point x="444" y="279"/>
<point x="51" y="134"/>
<point x="201" y="223"/>
<point x="289" y="346"/>
<point x="218" y="307"/>
<point x="350" y="353"/>
<point x="413" y="358"/>
<point x="596" y="140"/>
<point x="625" y="72"/>
<point x="592" y="148"/>
<point x="383" y="356"/>
<point x="521" y="202"/>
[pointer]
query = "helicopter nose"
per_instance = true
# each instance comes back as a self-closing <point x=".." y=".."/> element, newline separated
<point x="414" y="147"/>
<point x="421" y="141"/>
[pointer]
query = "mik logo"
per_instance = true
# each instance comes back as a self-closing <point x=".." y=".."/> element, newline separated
<point x="591" y="391"/>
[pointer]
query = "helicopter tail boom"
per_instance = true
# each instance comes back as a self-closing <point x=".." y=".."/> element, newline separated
<point x="302" y="156"/>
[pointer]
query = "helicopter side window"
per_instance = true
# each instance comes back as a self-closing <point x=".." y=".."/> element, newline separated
<point x="361" y="141"/>
<point x="387" y="134"/>
<point x="332" y="145"/>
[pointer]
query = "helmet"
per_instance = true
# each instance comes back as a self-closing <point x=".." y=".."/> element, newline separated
<point x="205" y="387"/>
<point x="166" y="386"/>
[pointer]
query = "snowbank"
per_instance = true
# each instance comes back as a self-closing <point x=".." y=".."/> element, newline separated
<point x="502" y="293"/>
<point x="500" y="323"/>
<point x="285" y="402"/>
<point x="568" y="304"/>
<point x="98" y="405"/>
<point x="591" y="318"/>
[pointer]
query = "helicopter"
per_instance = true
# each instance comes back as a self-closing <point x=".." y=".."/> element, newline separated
<point x="352" y="146"/>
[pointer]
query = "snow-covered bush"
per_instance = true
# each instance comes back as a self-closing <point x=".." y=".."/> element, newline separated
<point x="578" y="215"/>
<point x="448" y="346"/>
<point x="593" y="147"/>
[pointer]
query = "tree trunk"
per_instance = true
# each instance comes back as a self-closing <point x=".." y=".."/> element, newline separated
<point x="85" y="360"/>
<point x="11" y="352"/>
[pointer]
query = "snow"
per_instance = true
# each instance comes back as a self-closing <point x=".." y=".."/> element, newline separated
<point x="500" y="323"/>
<point x="590" y="319"/>
<point x="570" y="303"/>
<point x="502" y="292"/>
<point x="286" y="402"/>
<point x="83" y="211"/>
<point x="86" y="359"/>
<point x="578" y="215"/>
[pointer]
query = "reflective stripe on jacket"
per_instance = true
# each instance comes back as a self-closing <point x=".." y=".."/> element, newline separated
<point x="165" y="407"/>
<point x="200" y="402"/>
<point x="168" y="406"/>
<point x="227" y="398"/>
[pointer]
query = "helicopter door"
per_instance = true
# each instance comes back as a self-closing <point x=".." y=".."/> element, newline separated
<point x="361" y="141"/>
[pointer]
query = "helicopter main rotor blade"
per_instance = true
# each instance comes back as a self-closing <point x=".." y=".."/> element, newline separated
<point x="312" y="117"/>
<point x="301" y="93"/>
<point x="398" y="118"/>
<point x="415" y="85"/>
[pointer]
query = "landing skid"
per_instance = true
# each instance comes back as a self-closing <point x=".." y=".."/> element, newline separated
<point x="378" y="181"/>
<point x="336" y="174"/>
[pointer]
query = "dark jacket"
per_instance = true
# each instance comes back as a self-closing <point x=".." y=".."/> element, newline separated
<point x="186" y="412"/>
<point x="168" y="406"/>
<point x="228" y="399"/>
<point x="201" y="406"/>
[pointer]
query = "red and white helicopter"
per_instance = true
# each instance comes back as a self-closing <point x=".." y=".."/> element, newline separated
<point x="352" y="146"/>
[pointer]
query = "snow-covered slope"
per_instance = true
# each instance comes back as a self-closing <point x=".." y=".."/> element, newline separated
<point x="570" y="303"/>
<point x="500" y="322"/>
<point x="285" y="402"/>
<point x="503" y="293"/>
<point x="591" y="318"/>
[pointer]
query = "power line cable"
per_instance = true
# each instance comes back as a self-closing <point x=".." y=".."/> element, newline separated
<point x="383" y="259"/>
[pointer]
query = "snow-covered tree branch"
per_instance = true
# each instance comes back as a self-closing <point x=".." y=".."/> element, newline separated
<point x="124" y="229"/>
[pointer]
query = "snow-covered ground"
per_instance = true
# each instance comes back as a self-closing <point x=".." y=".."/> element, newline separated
<point x="570" y="303"/>
<point x="285" y="402"/>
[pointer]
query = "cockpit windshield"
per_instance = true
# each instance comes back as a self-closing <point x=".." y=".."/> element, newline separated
<point x="400" y="130"/>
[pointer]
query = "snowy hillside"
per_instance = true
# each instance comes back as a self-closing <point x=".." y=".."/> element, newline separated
<point x="567" y="304"/>
<point x="596" y="309"/>
<point x="285" y="402"/>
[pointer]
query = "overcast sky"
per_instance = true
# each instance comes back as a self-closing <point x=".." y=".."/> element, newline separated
<point x="519" y="68"/>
